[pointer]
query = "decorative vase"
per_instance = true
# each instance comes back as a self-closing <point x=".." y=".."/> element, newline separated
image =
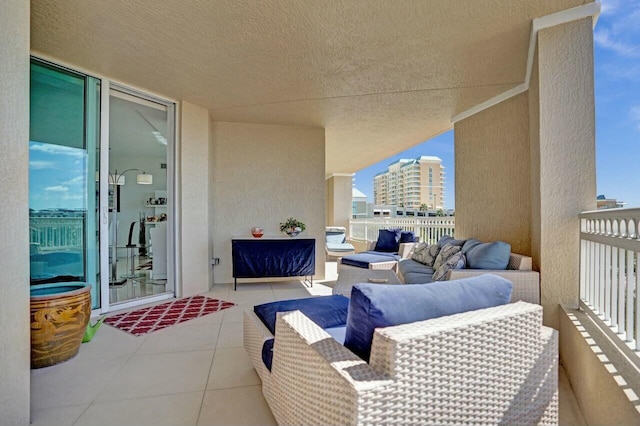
<point x="257" y="231"/>
<point x="293" y="232"/>
<point x="59" y="316"/>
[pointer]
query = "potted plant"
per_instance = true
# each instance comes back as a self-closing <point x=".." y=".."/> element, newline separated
<point x="292" y="227"/>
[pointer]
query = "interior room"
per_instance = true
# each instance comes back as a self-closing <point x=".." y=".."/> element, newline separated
<point x="138" y="202"/>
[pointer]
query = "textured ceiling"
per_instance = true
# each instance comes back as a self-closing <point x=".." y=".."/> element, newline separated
<point x="380" y="76"/>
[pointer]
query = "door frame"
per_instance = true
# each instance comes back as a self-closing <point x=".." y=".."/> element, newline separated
<point x="172" y="277"/>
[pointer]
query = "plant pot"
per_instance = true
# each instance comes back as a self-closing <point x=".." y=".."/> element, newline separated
<point x="59" y="316"/>
<point x="293" y="232"/>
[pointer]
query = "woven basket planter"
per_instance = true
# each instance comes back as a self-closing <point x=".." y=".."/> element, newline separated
<point x="59" y="316"/>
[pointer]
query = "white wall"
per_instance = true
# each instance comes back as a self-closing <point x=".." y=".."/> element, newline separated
<point x="195" y="253"/>
<point x="262" y="175"/>
<point x="14" y="247"/>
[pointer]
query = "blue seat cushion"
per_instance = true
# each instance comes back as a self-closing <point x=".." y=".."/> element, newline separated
<point x="388" y="240"/>
<point x="335" y="237"/>
<point x="362" y="260"/>
<point x="326" y="311"/>
<point x="346" y="247"/>
<point x="407" y="266"/>
<point x="418" y="277"/>
<point x="488" y="255"/>
<point x="379" y="305"/>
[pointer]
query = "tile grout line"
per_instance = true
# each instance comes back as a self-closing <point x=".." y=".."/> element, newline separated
<point x="106" y="384"/>
<point x="213" y="358"/>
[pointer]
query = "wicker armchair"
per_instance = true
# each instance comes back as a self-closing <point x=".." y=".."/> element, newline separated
<point x="490" y="366"/>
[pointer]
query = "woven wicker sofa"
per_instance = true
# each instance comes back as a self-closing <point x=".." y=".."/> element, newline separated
<point x="526" y="282"/>
<point x="490" y="366"/>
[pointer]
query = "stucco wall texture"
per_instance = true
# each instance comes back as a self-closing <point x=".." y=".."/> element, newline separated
<point x="194" y="193"/>
<point x="339" y="201"/>
<point x="567" y="157"/>
<point x="492" y="175"/>
<point x="525" y="168"/>
<point x="14" y="247"/>
<point x="261" y="175"/>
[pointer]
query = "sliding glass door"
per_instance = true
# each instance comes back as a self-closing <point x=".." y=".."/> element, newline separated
<point x="139" y="196"/>
<point x="63" y="161"/>
<point x="100" y="187"/>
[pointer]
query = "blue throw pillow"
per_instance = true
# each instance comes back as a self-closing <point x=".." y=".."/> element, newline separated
<point x="448" y="240"/>
<point x="326" y="311"/>
<point x="379" y="305"/>
<point x="388" y="240"/>
<point x="489" y="255"/>
<point x="407" y="237"/>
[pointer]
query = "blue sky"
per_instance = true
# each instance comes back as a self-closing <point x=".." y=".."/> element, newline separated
<point x="617" y="91"/>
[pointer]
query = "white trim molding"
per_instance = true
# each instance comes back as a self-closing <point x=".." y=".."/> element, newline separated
<point x="547" y="21"/>
<point x="330" y="175"/>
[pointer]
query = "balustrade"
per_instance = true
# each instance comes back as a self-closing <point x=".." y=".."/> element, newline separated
<point x="609" y="273"/>
<point x="56" y="233"/>
<point x="429" y="229"/>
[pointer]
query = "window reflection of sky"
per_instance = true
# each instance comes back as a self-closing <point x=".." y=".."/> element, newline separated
<point x="57" y="177"/>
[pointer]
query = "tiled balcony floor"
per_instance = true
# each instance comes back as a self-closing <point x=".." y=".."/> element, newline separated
<point x="194" y="373"/>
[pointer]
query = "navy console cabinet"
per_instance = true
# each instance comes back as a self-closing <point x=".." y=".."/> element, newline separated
<point x="273" y="257"/>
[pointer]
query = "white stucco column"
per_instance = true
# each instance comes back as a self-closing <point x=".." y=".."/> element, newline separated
<point x="14" y="208"/>
<point x="193" y="202"/>
<point x="563" y="171"/>
<point x="339" y="199"/>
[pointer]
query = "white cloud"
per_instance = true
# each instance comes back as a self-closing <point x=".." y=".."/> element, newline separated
<point x="52" y="149"/>
<point x="618" y="28"/>
<point x="74" y="181"/>
<point x="610" y="7"/>
<point x="41" y="165"/>
<point x="56" y="188"/>
<point x="604" y="39"/>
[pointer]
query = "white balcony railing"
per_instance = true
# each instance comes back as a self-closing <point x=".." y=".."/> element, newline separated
<point x="609" y="273"/>
<point x="56" y="233"/>
<point x="429" y="229"/>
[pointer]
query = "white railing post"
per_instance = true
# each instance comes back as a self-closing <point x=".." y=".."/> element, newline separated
<point x="609" y="270"/>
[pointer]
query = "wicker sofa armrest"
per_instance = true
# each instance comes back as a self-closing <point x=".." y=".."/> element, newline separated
<point x="526" y="284"/>
<point x="405" y="250"/>
<point x="520" y="262"/>
<point x="316" y="380"/>
<point x="255" y="333"/>
<point x="475" y="365"/>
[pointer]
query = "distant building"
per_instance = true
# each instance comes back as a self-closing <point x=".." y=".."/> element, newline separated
<point x="603" y="202"/>
<point x="359" y="204"/>
<point x="410" y="183"/>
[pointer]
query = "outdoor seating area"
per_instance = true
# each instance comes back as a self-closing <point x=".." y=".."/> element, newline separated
<point x="391" y="362"/>
<point x="449" y="259"/>
<point x="310" y="213"/>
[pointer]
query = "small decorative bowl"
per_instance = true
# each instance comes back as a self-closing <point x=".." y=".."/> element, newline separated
<point x="257" y="231"/>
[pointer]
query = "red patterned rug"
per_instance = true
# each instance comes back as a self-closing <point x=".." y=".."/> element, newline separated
<point x="146" y="320"/>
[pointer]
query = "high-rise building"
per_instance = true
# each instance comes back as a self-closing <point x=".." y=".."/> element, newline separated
<point x="410" y="183"/>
